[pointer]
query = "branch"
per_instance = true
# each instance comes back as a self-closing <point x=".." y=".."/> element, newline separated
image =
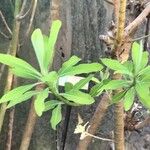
<point x="118" y="47"/>
<point x="146" y="45"/>
<point x="132" y="26"/>
<point x="144" y="123"/>
<point x="136" y="39"/>
<point x="100" y="138"/>
<point x="5" y="23"/>
<point x="116" y="8"/>
<point x="23" y="14"/>
<point x="4" y="35"/>
<point x="10" y="128"/>
<point x="120" y="24"/>
<point x="32" y="17"/>
<point x="109" y="2"/>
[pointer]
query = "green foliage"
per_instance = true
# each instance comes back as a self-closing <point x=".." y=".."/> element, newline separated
<point x="44" y="49"/>
<point x="143" y="94"/>
<point x="44" y="46"/>
<point x="78" y="97"/>
<point x="66" y="66"/>
<point x="116" y="66"/>
<point x="19" y="67"/>
<point x="26" y="96"/>
<point x="51" y="79"/>
<point x="129" y="99"/>
<point x="82" y="83"/>
<point x="135" y="81"/>
<point x="56" y="116"/>
<point x="136" y="78"/>
<point x="39" y="101"/>
<point x="79" y="69"/>
<point x="52" y="104"/>
<point x="16" y="93"/>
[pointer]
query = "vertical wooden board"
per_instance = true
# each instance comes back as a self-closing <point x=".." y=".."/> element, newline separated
<point x="88" y="21"/>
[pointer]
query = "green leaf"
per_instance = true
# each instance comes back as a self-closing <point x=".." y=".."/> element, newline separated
<point x="115" y="84"/>
<point x="118" y="97"/>
<point x="144" y="94"/>
<point x="38" y="44"/>
<point x="49" y="55"/>
<point x="47" y="50"/>
<point x="82" y="68"/>
<point x="129" y="99"/>
<point x="23" y="73"/>
<point x="104" y="74"/>
<point x="22" y="98"/>
<point x="144" y="61"/>
<point x="82" y="83"/>
<point x="51" y="80"/>
<point x="20" y="67"/>
<point x="97" y="89"/>
<point x="78" y="97"/>
<point x="115" y="65"/>
<point x="56" y="116"/>
<point x="137" y="53"/>
<point x="39" y="104"/>
<point x="69" y="64"/>
<point x="129" y="65"/>
<point x="68" y="86"/>
<point x="95" y="80"/>
<point x="51" y="104"/>
<point x="16" y="93"/>
<point x="145" y="71"/>
<point x="145" y="78"/>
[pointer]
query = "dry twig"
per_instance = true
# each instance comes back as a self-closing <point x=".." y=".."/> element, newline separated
<point x="4" y="35"/>
<point x="22" y="13"/>
<point x="134" y="25"/>
<point x="142" y="124"/>
<point x="32" y="17"/>
<point x="5" y="23"/>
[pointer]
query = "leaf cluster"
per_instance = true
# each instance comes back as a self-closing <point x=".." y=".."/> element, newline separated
<point x="135" y="78"/>
<point x="135" y="81"/>
<point x="44" y="49"/>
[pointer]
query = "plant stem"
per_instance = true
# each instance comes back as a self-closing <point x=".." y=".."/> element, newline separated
<point x="100" y="138"/>
<point x="31" y="121"/>
<point x="119" y="110"/>
<point x="119" y="126"/>
<point x="10" y="128"/>
<point x="11" y="121"/>
<point x="144" y="123"/>
<point x="13" y="50"/>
